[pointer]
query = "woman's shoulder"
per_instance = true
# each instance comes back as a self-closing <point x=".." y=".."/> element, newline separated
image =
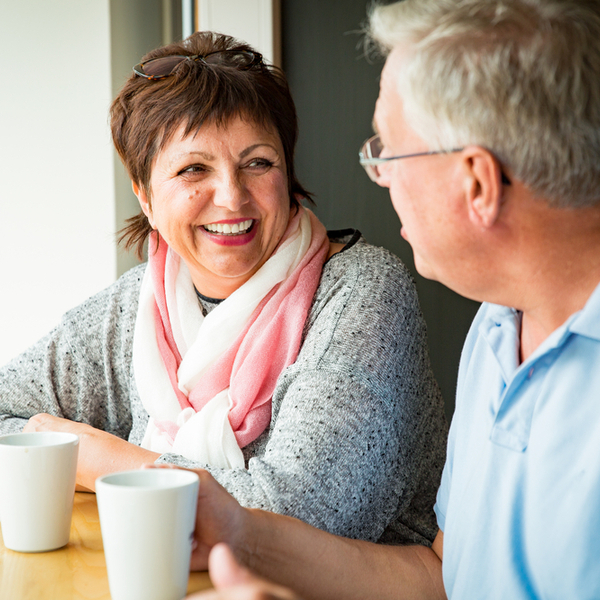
<point x="373" y="267"/>
<point x="119" y="299"/>
<point x="365" y="320"/>
<point x="364" y="289"/>
<point x="130" y="280"/>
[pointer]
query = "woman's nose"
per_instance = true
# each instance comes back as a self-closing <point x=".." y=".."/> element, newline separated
<point x="230" y="193"/>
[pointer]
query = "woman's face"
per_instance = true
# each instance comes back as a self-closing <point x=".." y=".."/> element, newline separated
<point x="219" y="197"/>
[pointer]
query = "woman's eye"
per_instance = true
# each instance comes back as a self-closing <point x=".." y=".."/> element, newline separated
<point x="192" y="169"/>
<point x="258" y="164"/>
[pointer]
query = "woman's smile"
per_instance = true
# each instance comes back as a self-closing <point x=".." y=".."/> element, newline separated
<point x="232" y="232"/>
<point x="232" y="227"/>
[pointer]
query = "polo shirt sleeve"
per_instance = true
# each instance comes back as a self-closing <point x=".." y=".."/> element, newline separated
<point x="443" y="493"/>
<point x="462" y="401"/>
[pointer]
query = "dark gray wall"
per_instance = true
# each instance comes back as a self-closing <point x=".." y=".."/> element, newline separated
<point x="136" y="28"/>
<point x="335" y="89"/>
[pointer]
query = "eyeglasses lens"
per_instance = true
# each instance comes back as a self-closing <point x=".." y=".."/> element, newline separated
<point x="372" y="149"/>
<point x="376" y="146"/>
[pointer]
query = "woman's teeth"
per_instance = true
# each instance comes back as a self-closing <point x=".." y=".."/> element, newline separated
<point x="227" y="229"/>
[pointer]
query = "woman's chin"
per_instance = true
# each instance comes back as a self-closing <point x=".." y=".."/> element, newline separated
<point x="221" y="280"/>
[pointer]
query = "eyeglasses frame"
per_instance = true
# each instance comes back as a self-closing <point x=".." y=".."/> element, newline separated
<point x="373" y="162"/>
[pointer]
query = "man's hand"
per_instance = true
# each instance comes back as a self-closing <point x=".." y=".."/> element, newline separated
<point x="219" y="518"/>
<point x="234" y="582"/>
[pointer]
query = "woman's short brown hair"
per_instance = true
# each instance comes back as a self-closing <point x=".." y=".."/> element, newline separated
<point x="146" y="113"/>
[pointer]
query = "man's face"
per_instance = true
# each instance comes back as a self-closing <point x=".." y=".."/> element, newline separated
<point x="423" y="189"/>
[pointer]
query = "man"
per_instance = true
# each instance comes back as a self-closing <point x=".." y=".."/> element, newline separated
<point x="489" y="125"/>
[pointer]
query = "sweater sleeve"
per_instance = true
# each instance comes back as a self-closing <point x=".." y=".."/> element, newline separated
<point x="357" y="436"/>
<point x="80" y="370"/>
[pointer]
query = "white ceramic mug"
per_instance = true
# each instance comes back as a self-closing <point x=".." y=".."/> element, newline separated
<point x="37" y="485"/>
<point x="147" y="518"/>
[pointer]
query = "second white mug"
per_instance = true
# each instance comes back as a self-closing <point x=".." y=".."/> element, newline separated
<point x="147" y="518"/>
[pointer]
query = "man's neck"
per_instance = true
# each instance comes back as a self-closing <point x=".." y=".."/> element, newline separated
<point x="559" y="274"/>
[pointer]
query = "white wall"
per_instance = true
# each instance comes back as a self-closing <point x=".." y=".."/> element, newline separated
<point x="63" y="194"/>
<point x="56" y="164"/>
<point x="257" y="22"/>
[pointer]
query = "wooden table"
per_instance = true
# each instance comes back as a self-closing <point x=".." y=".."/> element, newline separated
<point x="75" y="572"/>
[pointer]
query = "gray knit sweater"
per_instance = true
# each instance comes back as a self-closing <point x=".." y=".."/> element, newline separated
<point x="357" y="437"/>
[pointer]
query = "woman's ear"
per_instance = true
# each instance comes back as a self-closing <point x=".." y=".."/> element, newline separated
<point x="483" y="186"/>
<point x="144" y="201"/>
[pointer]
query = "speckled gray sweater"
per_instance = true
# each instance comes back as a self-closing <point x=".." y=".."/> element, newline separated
<point x="357" y="437"/>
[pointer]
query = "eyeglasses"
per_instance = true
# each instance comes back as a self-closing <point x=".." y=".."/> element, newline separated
<point x="369" y="157"/>
<point x="160" y="68"/>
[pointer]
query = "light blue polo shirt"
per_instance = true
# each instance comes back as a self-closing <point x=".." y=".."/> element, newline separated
<point x="519" y="502"/>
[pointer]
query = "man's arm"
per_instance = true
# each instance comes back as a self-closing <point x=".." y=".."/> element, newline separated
<point x="316" y="564"/>
<point x="313" y="563"/>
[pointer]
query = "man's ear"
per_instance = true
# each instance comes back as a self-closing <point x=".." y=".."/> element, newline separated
<point x="144" y="201"/>
<point x="482" y="185"/>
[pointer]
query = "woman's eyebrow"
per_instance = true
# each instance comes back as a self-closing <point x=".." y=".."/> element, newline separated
<point x="254" y="147"/>
<point x="204" y="155"/>
<point x="209" y="157"/>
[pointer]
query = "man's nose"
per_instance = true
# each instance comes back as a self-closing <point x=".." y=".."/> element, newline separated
<point x="384" y="175"/>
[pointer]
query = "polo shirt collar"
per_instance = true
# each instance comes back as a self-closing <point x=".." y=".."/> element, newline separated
<point x="501" y="330"/>
<point x="503" y="323"/>
<point x="587" y="321"/>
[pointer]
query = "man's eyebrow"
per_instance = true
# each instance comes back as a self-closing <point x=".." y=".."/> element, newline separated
<point x="374" y="126"/>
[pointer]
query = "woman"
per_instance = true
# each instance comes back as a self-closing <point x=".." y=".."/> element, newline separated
<point x="290" y="364"/>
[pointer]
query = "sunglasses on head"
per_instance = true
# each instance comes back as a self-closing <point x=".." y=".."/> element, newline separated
<point x="160" y="68"/>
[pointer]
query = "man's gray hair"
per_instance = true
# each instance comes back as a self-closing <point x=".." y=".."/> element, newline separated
<point x="518" y="77"/>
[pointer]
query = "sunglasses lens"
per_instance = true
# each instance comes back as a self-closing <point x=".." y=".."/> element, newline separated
<point x="161" y="67"/>
<point x="228" y="58"/>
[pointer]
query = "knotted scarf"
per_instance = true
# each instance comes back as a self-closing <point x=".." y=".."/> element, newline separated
<point x="207" y="381"/>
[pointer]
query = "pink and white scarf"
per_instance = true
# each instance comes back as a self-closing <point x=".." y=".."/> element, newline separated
<point x="207" y="382"/>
